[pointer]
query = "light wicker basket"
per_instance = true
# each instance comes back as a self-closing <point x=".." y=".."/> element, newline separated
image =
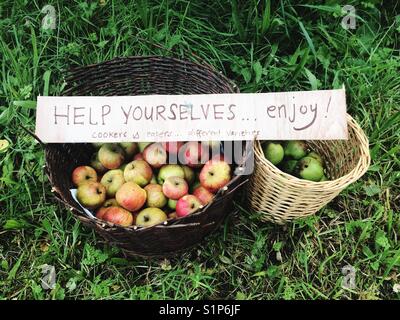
<point x="279" y="197"/>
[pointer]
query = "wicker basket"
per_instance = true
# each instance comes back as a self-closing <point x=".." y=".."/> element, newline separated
<point x="138" y="76"/>
<point x="280" y="197"/>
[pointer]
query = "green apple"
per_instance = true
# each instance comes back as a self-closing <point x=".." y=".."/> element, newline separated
<point x="130" y="148"/>
<point x="111" y="155"/>
<point x="316" y="156"/>
<point x="155" y="196"/>
<point x="310" y="169"/>
<point x="172" y="204"/>
<point x="96" y="164"/>
<point x="189" y="175"/>
<point x="170" y="170"/>
<point x="324" y="178"/>
<point x="273" y="152"/>
<point x="143" y="145"/>
<point x="139" y="172"/>
<point x="295" y="149"/>
<point x="150" y="216"/>
<point x="289" y="166"/>
<point x="113" y="180"/>
<point x="91" y="194"/>
<point x="97" y="145"/>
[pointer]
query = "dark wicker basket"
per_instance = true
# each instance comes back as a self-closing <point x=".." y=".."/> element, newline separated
<point x="139" y="76"/>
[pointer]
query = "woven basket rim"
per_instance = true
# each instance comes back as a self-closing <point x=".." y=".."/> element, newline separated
<point x="204" y="65"/>
<point x="337" y="184"/>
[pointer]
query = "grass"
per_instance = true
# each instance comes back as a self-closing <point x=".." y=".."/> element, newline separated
<point x="263" y="46"/>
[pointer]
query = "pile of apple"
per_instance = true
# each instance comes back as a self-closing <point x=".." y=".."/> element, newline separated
<point x="134" y="183"/>
<point x="295" y="158"/>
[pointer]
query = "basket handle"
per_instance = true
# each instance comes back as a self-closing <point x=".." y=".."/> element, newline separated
<point x="33" y="135"/>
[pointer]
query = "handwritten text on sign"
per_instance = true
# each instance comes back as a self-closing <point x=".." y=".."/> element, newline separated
<point x="267" y="116"/>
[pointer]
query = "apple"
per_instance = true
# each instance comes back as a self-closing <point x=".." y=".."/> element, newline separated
<point x="91" y="194"/>
<point x="83" y="174"/>
<point x="155" y="196"/>
<point x="138" y="156"/>
<point x="187" y="205"/>
<point x="170" y="170"/>
<point x="97" y="145"/>
<point x="111" y="155"/>
<point x="155" y="155"/>
<point x="172" y="204"/>
<point x="130" y="148"/>
<point x="295" y="149"/>
<point x="215" y="174"/>
<point x="153" y="179"/>
<point x="273" y="152"/>
<point x="175" y="187"/>
<point x="289" y="166"/>
<point x="138" y="171"/>
<point x="143" y="145"/>
<point x="96" y="164"/>
<point x="123" y="166"/>
<point x="194" y="186"/>
<point x="150" y="216"/>
<point x="113" y="180"/>
<point x="204" y="195"/>
<point x="310" y="169"/>
<point x="118" y="215"/>
<point x="131" y="196"/>
<point x="107" y="204"/>
<point x="316" y="156"/>
<point x="172" y="146"/>
<point x="188" y="174"/>
<point x="324" y="178"/>
<point x="192" y="154"/>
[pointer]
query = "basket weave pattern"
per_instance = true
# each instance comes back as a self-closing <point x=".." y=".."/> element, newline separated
<point x="280" y="197"/>
<point x="139" y="76"/>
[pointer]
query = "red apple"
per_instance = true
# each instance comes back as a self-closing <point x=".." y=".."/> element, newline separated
<point x="175" y="187"/>
<point x="155" y="155"/>
<point x="193" y="154"/>
<point x="138" y="156"/>
<point x="204" y="195"/>
<point x="138" y="171"/>
<point x="155" y="196"/>
<point x="215" y="174"/>
<point x="118" y="215"/>
<point x="131" y="196"/>
<point x="91" y="194"/>
<point x="83" y="174"/>
<point x="111" y="155"/>
<point x="187" y="205"/>
<point x="107" y="204"/>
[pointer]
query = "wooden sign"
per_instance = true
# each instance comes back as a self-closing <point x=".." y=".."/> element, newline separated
<point x="318" y="115"/>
